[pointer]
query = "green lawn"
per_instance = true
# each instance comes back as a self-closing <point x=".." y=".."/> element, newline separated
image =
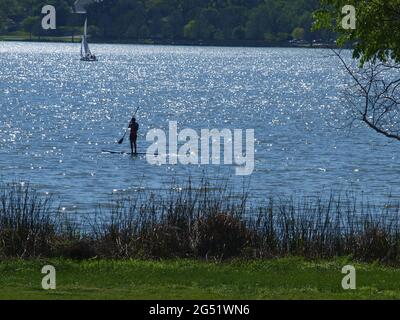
<point x="185" y="279"/>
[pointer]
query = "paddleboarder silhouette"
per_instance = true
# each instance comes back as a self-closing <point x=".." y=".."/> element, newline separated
<point x="134" y="126"/>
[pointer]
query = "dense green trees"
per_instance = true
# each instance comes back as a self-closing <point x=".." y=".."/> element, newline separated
<point x="377" y="31"/>
<point x="25" y="15"/>
<point x="215" y="20"/>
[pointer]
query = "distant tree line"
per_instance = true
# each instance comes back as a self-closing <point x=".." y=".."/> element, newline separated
<point x="26" y="16"/>
<point x="209" y="20"/>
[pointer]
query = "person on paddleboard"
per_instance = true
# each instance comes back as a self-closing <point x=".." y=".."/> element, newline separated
<point x="134" y="126"/>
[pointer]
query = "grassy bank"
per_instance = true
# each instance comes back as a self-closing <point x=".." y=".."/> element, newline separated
<point x="185" y="279"/>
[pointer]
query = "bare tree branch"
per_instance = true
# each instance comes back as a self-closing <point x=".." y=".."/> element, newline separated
<point x="374" y="95"/>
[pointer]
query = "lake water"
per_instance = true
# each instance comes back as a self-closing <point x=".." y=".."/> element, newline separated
<point x="58" y="113"/>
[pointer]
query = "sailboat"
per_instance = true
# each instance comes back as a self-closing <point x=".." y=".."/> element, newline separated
<point x="86" y="54"/>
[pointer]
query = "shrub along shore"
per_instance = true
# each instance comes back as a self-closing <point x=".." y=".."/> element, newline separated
<point x="204" y="222"/>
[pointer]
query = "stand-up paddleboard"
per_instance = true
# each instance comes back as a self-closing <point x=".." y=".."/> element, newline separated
<point x="125" y="153"/>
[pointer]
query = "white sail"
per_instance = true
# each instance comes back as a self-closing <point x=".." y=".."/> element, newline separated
<point x="85" y="50"/>
<point x="85" y="28"/>
<point x="86" y="47"/>
<point x="86" y="54"/>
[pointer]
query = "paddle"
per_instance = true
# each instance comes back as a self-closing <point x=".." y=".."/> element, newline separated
<point x="123" y="138"/>
<point x="121" y="141"/>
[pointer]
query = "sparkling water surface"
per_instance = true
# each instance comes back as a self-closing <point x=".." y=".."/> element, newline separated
<point x="58" y="113"/>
